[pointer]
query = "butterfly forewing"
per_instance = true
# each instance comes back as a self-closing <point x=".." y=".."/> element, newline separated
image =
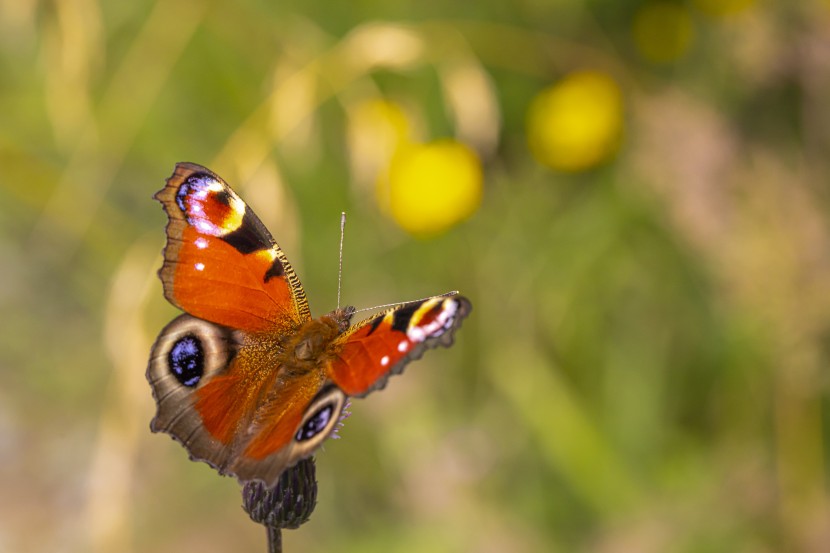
<point x="382" y="345"/>
<point x="221" y="263"/>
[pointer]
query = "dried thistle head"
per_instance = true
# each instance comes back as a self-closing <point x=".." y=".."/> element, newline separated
<point x="289" y="504"/>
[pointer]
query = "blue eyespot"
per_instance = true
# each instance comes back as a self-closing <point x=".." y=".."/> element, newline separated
<point x="315" y="424"/>
<point x="186" y="360"/>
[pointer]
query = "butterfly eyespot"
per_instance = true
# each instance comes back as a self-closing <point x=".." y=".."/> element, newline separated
<point x="434" y="318"/>
<point x="315" y="424"/>
<point x="195" y="186"/>
<point x="186" y="360"/>
<point x="209" y="206"/>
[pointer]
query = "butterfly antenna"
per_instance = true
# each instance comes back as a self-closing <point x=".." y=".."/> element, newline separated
<point x="340" y="269"/>
<point x="444" y="295"/>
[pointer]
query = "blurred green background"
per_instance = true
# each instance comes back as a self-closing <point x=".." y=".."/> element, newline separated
<point x="645" y="368"/>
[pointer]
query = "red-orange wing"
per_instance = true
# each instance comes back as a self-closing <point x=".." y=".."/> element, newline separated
<point x="380" y="346"/>
<point x="222" y="396"/>
<point x="220" y="262"/>
<point x="269" y="425"/>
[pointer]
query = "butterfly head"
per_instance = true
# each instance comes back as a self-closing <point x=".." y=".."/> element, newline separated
<point x="343" y="317"/>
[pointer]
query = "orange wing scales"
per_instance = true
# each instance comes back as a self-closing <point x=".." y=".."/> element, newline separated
<point x="281" y="415"/>
<point x="380" y="346"/>
<point x="219" y="403"/>
<point x="221" y="263"/>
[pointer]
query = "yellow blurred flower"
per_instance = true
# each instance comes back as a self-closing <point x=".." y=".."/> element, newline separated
<point x="723" y="8"/>
<point x="431" y="187"/>
<point x="663" y="31"/>
<point x="576" y="123"/>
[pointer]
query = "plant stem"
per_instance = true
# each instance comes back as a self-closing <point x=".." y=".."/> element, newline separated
<point x="274" y="539"/>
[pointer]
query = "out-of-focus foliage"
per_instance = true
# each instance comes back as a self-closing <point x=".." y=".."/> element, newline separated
<point x="646" y="365"/>
<point x="663" y="31"/>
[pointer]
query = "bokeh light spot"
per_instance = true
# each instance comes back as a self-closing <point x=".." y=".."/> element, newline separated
<point x="432" y="187"/>
<point x="576" y="123"/>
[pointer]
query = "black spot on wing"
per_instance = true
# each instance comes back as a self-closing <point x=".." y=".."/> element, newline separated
<point x="251" y="236"/>
<point x="375" y="324"/>
<point x="276" y="270"/>
<point x="223" y="197"/>
<point x="402" y="316"/>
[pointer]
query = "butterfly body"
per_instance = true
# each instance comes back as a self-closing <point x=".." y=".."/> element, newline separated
<point x="246" y="379"/>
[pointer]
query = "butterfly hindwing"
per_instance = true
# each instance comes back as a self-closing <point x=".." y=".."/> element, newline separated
<point x="225" y="401"/>
<point x="380" y="346"/>
<point x="188" y="355"/>
<point x="221" y="263"/>
<point x="290" y="428"/>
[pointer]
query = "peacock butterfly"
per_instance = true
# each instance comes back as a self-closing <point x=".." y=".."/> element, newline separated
<point x="246" y="380"/>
